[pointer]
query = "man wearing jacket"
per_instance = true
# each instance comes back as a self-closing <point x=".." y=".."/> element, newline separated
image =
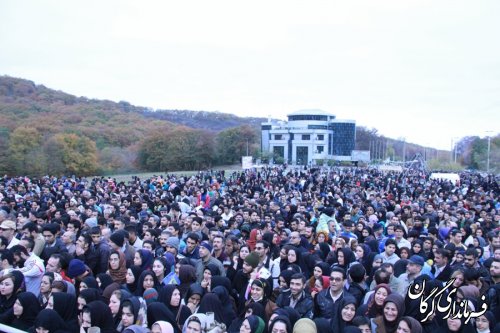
<point x="297" y="299"/>
<point x="327" y="301"/>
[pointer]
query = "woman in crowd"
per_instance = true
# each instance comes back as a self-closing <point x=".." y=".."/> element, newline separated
<point x="375" y="305"/>
<point x="10" y="285"/>
<point x="409" y="325"/>
<point x="45" y="288"/>
<point x="24" y="311"/>
<point x="66" y="306"/>
<point x="133" y="312"/>
<point x="280" y="324"/>
<point x="97" y="314"/>
<point x="144" y="259"/>
<point x="88" y="282"/>
<point x="485" y="323"/>
<point x="211" y="303"/>
<point x="187" y="277"/>
<point x="193" y="297"/>
<point x="146" y="280"/>
<point x="132" y="278"/>
<point x="115" y="301"/>
<point x="117" y="267"/>
<point x="162" y="327"/>
<point x="49" y="321"/>
<point x="393" y="310"/>
<point x="345" y="314"/>
<point x="159" y="312"/>
<point x="103" y="280"/>
<point x="252" y="324"/>
<point x="242" y="254"/>
<point x="171" y="297"/>
<point x="255" y="309"/>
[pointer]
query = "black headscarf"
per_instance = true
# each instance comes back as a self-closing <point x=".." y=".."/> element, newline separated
<point x="283" y="319"/>
<point x="51" y="321"/>
<point x="100" y="315"/>
<point x="211" y="303"/>
<point x="31" y="308"/>
<point x="195" y="288"/>
<point x="338" y="324"/>
<point x="136" y="271"/>
<point x="139" y="291"/>
<point x="181" y="312"/>
<point x="228" y="313"/>
<point x="91" y="282"/>
<point x="90" y="295"/>
<point x="159" y="311"/>
<point x="105" y="279"/>
<point x="66" y="306"/>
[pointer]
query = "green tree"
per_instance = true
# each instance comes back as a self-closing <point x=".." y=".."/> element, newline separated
<point x="71" y="154"/>
<point x="232" y="143"/>
<point x="25" y="153"/>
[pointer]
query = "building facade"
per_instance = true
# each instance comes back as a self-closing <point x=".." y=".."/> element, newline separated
<point x="309" y="136"/>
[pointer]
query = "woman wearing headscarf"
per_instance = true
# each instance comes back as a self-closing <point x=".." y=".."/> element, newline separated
<point x="88" y="282"/>
<point x="24" y="311"/>
<point x="252" y="324"/>
<point x="228" y="310"/>
<point x="144" y="259"/>
<point x="486" y="323"/>
<point x="132" y="278"/>
<point x="66" y="306"/>
<point x="343" y="258"/>
<point x="133" y="312"/>
<point x="13" y="283"/>
<point x="211" y="303"/>
<point x="187" y="276"/>
<point x="162" y="327"/>
<point x="305" y="325"/>
<point x="393" y="310"/>
<point x="85" y="297"/>
<point x="159" y="312"/>
<point x="171" y="297"/>
<point x="255" y="309"/>
<point x="281" y="324"/>
<point x="409" y="324"/>
<point x="320" y="269"/>
<point x="375" y="305"/>
<point x="103" y="280"/>
<point x="255" y="235"/>
<point x="117" y="267"/>
<point x="259" y="292"/>
<point x="274" y="241"/>
<point x="146" y="280"/>
<point x="193" y="297"/>
<point x="50" y="321"/>
<point x="344" y="315"/>
<point x="97" y="313"/>
<point x="458" y="326"/>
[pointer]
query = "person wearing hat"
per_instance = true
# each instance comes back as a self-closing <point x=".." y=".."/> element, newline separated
<point x="172" y="245"/>
<point x="8" y="230"/>
<point x="244" y="277"/>
<point x="77" y="270"/>
<point x="206" y="258"/>
<point x="118" y="242"/>
<point x="413" y="270"/>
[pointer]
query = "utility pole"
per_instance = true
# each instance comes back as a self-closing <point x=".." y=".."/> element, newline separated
<point x="489" y="148"/>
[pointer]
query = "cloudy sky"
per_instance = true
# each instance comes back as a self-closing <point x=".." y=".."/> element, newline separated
<point x="427" y="71"/>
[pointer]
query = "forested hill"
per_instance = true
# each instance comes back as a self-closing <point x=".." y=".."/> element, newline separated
<point x="24" y="96"/>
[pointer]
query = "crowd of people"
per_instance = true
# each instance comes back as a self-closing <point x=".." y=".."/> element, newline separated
<point x="273" y="250"/>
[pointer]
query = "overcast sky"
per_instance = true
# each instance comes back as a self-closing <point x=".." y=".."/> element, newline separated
<point x="428" y="71"/>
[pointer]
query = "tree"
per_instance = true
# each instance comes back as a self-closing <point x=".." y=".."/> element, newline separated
<point x="71" y="154"/>
<point x="25" y="154"/>
<point x="233" y="143"/>
<point x="180" y="149"/>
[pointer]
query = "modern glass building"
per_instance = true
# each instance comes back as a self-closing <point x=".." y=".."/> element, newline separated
<point x="309" y="135"/>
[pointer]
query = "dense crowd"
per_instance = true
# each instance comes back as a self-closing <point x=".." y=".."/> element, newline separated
<point x="277" y="250"/>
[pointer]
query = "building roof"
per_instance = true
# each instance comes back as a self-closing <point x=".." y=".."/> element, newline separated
<point x="317" y="112"/>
